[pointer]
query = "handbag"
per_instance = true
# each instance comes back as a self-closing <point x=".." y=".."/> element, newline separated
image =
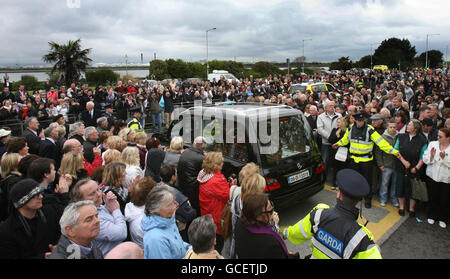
<point x="419" y="190"/>
<point x="341" y="154"/>
<point x="225" y="221"/>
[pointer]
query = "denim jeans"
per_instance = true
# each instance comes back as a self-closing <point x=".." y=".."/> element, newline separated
<point x="325" y="152"/>
<point x="385" y="176"/>
<point x="156" y="117"/>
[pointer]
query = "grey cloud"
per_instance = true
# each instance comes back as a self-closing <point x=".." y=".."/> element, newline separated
<point x="176" y="29"/>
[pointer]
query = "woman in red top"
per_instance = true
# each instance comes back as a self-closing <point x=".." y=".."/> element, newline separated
<point x="214" y="191"/>
<point x="53" y="94"/>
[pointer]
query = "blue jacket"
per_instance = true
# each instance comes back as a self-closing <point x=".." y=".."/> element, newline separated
<point x="162" y="239"/>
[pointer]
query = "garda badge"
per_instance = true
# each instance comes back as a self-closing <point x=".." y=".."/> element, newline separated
<point x="330" y="241"/>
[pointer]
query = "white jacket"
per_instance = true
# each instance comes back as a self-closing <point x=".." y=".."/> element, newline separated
<point x="325" y="125"/>
<point x="133" y="215"/>
<point x="438" y="169"/>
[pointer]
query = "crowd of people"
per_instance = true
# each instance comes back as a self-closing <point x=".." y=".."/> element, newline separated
<point x="98" y="186"/>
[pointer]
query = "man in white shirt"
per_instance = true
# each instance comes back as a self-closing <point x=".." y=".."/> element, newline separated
<point x="325" y="124"/>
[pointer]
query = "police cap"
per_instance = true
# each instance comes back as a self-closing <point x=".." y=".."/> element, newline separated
<point x="359" y="116"/>
<point x="352" y="184"/>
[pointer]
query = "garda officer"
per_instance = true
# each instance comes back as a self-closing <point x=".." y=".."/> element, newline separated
<point x="134" y="123"/>
<point x="335" y="232"/>
<point x="361" y="137"/>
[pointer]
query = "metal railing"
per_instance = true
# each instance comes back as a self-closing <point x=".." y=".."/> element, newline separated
<point x="17" y="125"/>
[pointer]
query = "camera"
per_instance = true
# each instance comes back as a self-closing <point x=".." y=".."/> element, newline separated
<point x="232" y="177"/>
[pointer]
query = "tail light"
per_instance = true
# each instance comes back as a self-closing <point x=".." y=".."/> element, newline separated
<point x="320" y="168"/>
<point x="272" y="184"/>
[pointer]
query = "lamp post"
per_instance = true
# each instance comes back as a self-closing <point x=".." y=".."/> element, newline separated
<point x="126" y="63"/>
<point x="207" y="65"/>
<point x="446" y="58"/>
<point x="304" y="58"/>
<point x="426" y="51"/>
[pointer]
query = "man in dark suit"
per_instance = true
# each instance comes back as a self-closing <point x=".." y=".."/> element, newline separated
<point x="91" y="136"/>
<point x="109" y="115"/>
<point x="31" y="134"/>
<point x="49" y="147"/>
<point x="90" y="115"/>
<point x="397" y="106"/>
<point x="312" y="120"/>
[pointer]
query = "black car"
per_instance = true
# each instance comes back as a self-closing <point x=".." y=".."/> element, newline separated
<point x="289" y="159"/>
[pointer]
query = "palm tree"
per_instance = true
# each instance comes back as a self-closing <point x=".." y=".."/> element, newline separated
<point x="70" y="60"/>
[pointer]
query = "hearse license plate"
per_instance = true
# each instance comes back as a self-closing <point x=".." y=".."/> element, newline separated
<point x="299" y="176"/>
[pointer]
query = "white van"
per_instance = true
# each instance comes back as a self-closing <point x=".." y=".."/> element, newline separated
<point x="218" y="73"/>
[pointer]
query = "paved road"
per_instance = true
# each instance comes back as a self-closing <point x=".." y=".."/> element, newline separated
<point x="399" y="237"/>
<point x="416" y="239"/>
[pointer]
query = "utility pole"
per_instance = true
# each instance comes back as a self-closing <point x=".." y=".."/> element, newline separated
<point x="207" y="64"/>
<point x="304" y="58"/>
<point x="446" y="57"/>
<point x="126" y="63"/>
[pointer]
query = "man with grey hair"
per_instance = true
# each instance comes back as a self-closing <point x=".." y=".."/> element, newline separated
<point x="326" y="122"/>
<point x="73" y="145"/>
<point x="202" y="237"/>
<point x="31" y="134"/>
<point x="189" y="165"/>
<point x="49" y="148"/>
<point x="90" y="115"/>
<point x="113" y="227"/>
<point x="76" y="131"/>
<point x="91" y="138"/>
<point x="102" y="124"/>
<point x="79" y="227"/>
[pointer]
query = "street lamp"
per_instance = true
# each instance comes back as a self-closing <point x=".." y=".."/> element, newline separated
<point x="446" y="57"/>
<point x="207" y="65"/>
<point x="426" y="51"/>
<point x="304" y="58"/>
<point x="126" y="64"/>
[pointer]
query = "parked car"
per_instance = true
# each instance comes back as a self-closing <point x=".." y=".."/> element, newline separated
<point x="290" y="161"/>
<point x="321" y="86"/>
<point x="298" y="86"/>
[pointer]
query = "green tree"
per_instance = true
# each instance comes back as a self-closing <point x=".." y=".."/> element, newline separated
<point x="343" y="64"/>
<point x="177" y="68"/>
<point x="29" y="82"/>
<point x="158" y="69"/>
<point x="393" y="51"/>
<point x="196" y="70"/>
<point x="101" y="76"/>
<point x="70" y="60"/>
<point x="265" y="68"/>
<point x="364" y="62"/>
<point x="435" y="59"/>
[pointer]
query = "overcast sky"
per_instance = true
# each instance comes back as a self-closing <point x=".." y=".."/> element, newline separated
<point x="247" y="30"/>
